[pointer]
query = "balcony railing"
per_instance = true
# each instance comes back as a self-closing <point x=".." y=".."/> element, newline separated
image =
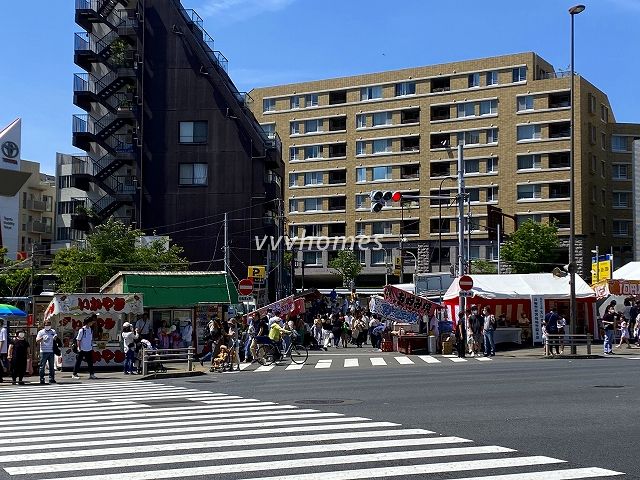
<point x="38" y="227"/>
<point x="192" y="17"/>
<point x="556" y="74"/>
<point x="36" y="205"/>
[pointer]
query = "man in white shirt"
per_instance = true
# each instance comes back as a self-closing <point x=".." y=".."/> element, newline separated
<point x="4" y="347"/>
<point x="46" y="337"/>
<point x="143" y="325"/>
<point x="186" y="332"/>
<point x="84" y="340"/>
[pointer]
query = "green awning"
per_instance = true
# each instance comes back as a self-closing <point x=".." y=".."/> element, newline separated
<point x="181" y="290"/>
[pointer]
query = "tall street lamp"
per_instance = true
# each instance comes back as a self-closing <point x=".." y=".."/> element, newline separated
<point x="573" y="11"/>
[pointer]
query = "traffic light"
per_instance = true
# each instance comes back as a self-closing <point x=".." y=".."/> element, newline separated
<point x="379" y="199"/>
<point x="396" y="196"/>
<point x="494" y="218"/>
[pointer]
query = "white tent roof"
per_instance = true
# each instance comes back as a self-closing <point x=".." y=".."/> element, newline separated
<point x="522" y="286"/>
<point x="630" y="271"/>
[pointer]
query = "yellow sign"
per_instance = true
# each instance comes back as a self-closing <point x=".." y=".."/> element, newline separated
<point x="257" y="272"/>
<point x="605" y="271"/>
<point x="397" y="266"/>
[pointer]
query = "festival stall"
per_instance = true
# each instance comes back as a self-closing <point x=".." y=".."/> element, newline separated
<point x="67" y="312"/>
<point x="520" y="302"/>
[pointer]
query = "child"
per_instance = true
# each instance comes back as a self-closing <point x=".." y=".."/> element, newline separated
<point x="624" y="334"/>
<point x="545" y="339"/>
<point x="221" y="358"/>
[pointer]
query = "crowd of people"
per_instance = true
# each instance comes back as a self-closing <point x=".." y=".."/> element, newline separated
<point x="474" y="332"/>
<point x="625" y="321"/>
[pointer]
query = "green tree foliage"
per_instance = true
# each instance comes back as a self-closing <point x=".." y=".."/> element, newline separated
<point x="531" y="246"/>
<point x="109" y="249"/>
<point x="483" y="266"/>
<point x="14" y="279"/>
<point x="347" y="265"/>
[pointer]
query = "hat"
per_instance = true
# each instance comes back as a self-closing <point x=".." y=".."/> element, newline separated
<point x="126" y="324"/>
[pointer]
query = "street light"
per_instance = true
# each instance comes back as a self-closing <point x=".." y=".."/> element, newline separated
<point x="573" y="11"/>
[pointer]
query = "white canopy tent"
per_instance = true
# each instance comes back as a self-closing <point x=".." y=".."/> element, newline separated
<point x="630" y="271"/>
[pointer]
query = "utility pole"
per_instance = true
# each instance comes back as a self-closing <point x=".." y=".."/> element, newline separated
<point x="597" y="263"/>
<point x="469" y="235"/>
<point x="279" y="255"/>
<point x="226" y="243"/>
<point x="401" y="242"/>
<point x="499" y="238"/>
<point x="461" y="301"/>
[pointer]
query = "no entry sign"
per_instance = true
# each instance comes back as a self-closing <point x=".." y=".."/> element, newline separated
<point x="245" y="286"/>
<point x="465" y="282"/>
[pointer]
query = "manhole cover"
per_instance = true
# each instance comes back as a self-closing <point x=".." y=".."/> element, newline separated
<point x="326" y="401"/>
<point x="608" y="386"/>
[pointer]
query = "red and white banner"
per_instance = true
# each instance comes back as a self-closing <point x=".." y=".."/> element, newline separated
<point x="408" y="301"/>
<point x="84" y="304"/>
<point x="283" y="307"/>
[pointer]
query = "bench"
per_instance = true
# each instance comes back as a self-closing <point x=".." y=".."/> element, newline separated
<point x="570" y="340"/>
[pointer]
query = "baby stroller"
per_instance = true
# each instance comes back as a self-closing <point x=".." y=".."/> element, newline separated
<point x="153" y="365"/>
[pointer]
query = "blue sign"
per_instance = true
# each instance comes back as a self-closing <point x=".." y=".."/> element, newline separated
<point x="387" y="310"/>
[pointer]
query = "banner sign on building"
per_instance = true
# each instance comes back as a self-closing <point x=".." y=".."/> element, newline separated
<point x="283" y="307"/>
<point x="408" y="301"/>
<point x="537" y="316"/>
<point x="629" y="288"/>
<point x="86" y="304"/>
<point x="394" y="312"/>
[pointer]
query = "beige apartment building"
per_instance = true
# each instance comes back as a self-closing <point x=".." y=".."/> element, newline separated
<point x="399" y="131"/>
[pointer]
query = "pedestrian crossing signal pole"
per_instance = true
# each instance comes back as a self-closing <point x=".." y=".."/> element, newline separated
<point x="461" y="259"/>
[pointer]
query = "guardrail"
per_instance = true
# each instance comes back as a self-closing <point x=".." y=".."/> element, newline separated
<point x="156" y="358"/>
<point x="570" y="340"/>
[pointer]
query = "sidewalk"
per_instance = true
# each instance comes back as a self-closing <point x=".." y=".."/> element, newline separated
<point x="581" y="352"/>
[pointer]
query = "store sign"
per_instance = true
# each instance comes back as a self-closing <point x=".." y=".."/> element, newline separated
<point x="537" y="316"/>
<point x="617" y="287"/>
<point x="86" y="304"/>
<point x="394" y="312"/>
<point x="408" y="301"/>
<point x="602" y="269"/>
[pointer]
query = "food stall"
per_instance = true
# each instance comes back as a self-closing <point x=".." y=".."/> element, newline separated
<point x="68" y="311"/>
<point x="515" y="297"/>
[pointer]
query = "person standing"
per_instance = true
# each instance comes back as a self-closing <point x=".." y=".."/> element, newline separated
<point x="461" y="335"/>
<point x="624" y="334"/>
<point x="129" y="338"/>
<point x="633" y="315"/>
<point x="46" y="338"/>
<point x="143" y="326"/>
<point x="489" y="326"/>
<point x="85" y="347"/>
<point x="18" y="354"/>
<point x="609" y="325"/>
<point x="552" y="330"/>
<point x="477" y="323"/>
<point x="4" y="348"/>
<point x="186" y="333"/>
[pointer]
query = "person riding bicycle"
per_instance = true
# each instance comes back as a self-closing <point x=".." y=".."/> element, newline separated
<point x="275" y="335"/>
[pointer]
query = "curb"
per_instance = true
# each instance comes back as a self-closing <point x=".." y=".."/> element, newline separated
<point x="157" y="376"/>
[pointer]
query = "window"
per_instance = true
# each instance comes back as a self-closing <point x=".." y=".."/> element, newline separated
<point x="293" y="153"/>
<point x="529" y="132"/>
<point x="469" y="138"/>
<point x="594" y="163"/>
<point x="619" y="172"/>
<point x="620" y="200"/>
<point x="312" y="259"/>
<point x="492" y="135"/>
<point x="361" y="174"/>
<point x="381" y="173"/>
<point x="440" y="112"/>
<point x="370" y="93"/>
<point x="529" y="162"/>
<point x="561" y="219"/>
<point x="337" y="124"/>
<point x="405" y="88"/>
<point x="603" y="192"/>
<point x="311" y="126"/>
<point x="361" y="121"/>
<point x="193" y="174"/>
<point x="466" y="109"/>
<point x="559" y="160"/>
<point x="293" y="205"/>
<point x="293" y="179"/>
<point x="526" y="192"/>
<point x="594" y="194"/>
<point x="337" y="97"/>
<point x="492" y="77"/>
<point x="382" y="118"/>
<point x="492" y="165"/>
<point x="361" y="202"/>
<point x="471" y="166"/>
<point x="410" y="144"/>
<point x="337" y="177"/>
<point x="382" y="146"/>
<point x="293" y="231"/>
<point x="440" y="169"/>
<point x="294" y="128"/>
<point x="381" y="228"/>
<point x="193" y="132"/>
<point x="378" y="257"/>
<point x="474" y="252"/>
<point x="312" y="230"/>
<point x="560" y="130"/>
<point x="313" y="178"/>
<point x="312" y="204"/>
<point x="313" y="151"/>
<point x="621" y="228"/>
<point x="361" y="148"/>
<point x="269" y="129"/>
<point x="294" y="102"/>
<point x="525" y="103"/>
<point x="410" y="116"/>
<point x="337" y="150"/>
<point x="492" y="194"/>
<point x="520" y="219"/>
<point x="362" y="256"/>
<point x="488" y="107"/>
<point x="619" y="143"/>
<point x="64" y="181"/>
<point x="269" y="105"/>
<point x="411" y="171"/>
<point x="559" y="190"/>
<point x="603" y="140"/>
<point x="474" y="80"/>
<point x="311" y="100"/>
<point x="519" y="74"/>
<point x="603" y="169"/>
<point x="361" y="228"/>
<point x="594" y="223"/>
<point x="474" y="194"/>
<point x="592" y="134"/>
<point x="437" y="225"/>
<point x="592" y="103"/>
<point x="604" y="113"/>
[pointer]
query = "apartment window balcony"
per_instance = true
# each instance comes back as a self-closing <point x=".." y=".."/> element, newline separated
<point x="336" y="230"/>
<point x="410" y="116"/>
<point x="410" y="172"/>
<point x="559" y="190"/>
<point x="560" y="219"/>
<point x="410" y="227"/>
<point x="337" y="97"/>
<point x="560" y="130"/>
<point x="337" y="177"/>
<point x="440" y="112"/>
<point x="410" y="144"/>
<point x="337" y="124"/>
<point x="337" y="203"/>
<point x="36" y="205"/>
<point x="338" y="150"/>
<point x="440" y="169"/>
<point x="440" y="140"/>
<point x="441" y="201"/>
<point x="438" y="225"/>
<point x="559" y="100"/>
<point x="38" y="227"/>
<point x="559" y="160"/>
<point x="440" y="85"/>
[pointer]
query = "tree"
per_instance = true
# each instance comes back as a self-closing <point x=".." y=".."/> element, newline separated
<point x="14" y="277"/>
<point x="483" y="266"/>
<point x="530" y="246"/>
<point x="347" y="265"/>
<point x="111" y="248"/>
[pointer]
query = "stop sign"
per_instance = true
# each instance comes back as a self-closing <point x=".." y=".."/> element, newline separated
<point x="465" y="282"/>
<point x="245" y="286"/>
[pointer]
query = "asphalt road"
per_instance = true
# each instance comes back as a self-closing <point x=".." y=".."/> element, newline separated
<point x="584" y="411"/>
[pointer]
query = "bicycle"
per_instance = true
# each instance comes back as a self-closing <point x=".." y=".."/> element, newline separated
<point x="269" y="353"/>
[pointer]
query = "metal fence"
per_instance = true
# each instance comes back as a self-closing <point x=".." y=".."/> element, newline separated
<point x="154" y="360"/>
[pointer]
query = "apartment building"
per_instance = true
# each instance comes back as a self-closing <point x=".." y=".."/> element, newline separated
<point x="399" y="131"/>
<point x="171" y="145"/>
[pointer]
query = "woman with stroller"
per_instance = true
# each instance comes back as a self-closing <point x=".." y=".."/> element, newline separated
<point x="129" y="339"/>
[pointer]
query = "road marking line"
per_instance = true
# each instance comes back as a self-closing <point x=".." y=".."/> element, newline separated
<point x="324" y="363"/>
<point x="264" y="368"/>
<point x="484" y="359"/>
<point x="295" y="366"/>
<point x="351" y="362"/>
<point x="428" y="359"/>
<point x="378" y="361"/>
<point x="457" y="359"/>
<point x="404" y="360"/>
<point x="243" y="366"/>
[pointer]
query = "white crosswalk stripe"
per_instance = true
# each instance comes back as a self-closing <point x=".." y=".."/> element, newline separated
<point x="378" y="361"/>
<point x="404" y="360"/>
<point x="351" y="362"/>
<point x="229" y="436"/>
<point x="324" y="363"/>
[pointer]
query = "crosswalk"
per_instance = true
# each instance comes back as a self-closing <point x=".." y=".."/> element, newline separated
<point x="145" y="431"/>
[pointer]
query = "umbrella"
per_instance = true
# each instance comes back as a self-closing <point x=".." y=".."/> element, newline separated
<point x="10" y="310"/>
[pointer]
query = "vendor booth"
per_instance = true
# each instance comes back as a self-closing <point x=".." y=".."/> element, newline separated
<point x="184" y="300"/>
<point x="68" y="311"/>
<point x="520" y="302"/>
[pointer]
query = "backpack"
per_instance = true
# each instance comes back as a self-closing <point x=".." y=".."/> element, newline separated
<point x="74" y="342"/>
<point x="57" y="343"/>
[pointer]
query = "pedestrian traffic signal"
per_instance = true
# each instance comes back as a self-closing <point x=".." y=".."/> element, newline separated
<point x="379" y="199"/>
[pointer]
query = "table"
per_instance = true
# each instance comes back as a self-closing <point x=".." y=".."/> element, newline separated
<point x="507" y="334"/>
<point x="407" y="344"/>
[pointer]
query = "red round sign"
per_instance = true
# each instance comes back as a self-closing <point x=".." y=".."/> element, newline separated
<point x="465" y="282"/>
<point x="245" y="286"/>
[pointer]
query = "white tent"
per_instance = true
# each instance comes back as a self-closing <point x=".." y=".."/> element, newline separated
<point x="630" y="271"/>
<point x="522" y="286"/>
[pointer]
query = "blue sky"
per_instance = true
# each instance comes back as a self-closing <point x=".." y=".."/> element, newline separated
<point x="271" y="42"/>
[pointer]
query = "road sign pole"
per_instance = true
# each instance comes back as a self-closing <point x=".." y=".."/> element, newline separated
<point x="461" y="301"/>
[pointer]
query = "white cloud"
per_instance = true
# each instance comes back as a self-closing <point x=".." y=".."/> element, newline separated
<point x="236" y="10"/>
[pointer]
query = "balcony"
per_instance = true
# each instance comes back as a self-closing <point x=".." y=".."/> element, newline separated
<point x="440" y="112"/>
<point x="38" y="227"/>
<point x="36" y="205"/>
<point x="89" y="12"/>
<point x="559" y="100"/>
<point x="87" y="130"/>
<point x="560" y="130"/>
<point x="439" y="85"/>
